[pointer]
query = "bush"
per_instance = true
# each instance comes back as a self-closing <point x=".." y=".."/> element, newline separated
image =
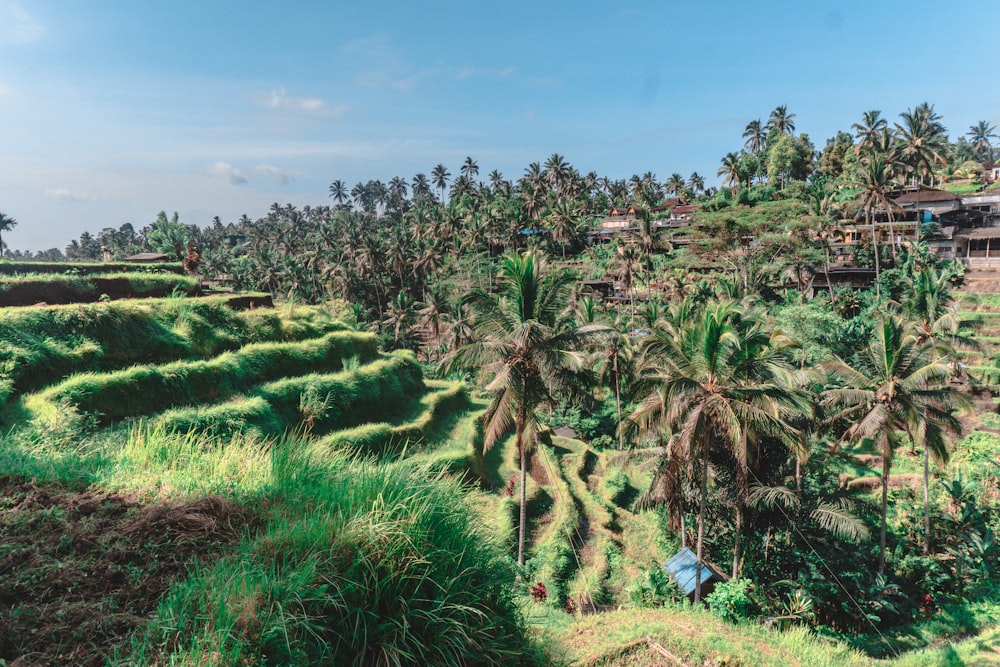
<point x="730" y="600"/>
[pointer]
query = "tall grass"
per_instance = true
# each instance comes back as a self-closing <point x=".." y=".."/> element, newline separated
<point x="359" y="564"/>
<point x="58" y="288"/>
<point x="444" y="400"/>
<point x="143" y="390"/>
<point x="41" y="345"/>
<point x="12" y="268"/>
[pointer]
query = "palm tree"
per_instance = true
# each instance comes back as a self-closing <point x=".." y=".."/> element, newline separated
<point x="755" y="137"/>
<point x="714" y="381"/>
<point x="875" y="179"/>
<point x="7" y="223"/>
<point x="675" y="184"/>
<point x="781" y="121"/>
<point x="564" y="221"/>
<point x="730" y="171"/>
<point x="868" y="131"/>
<point x="627" y="262"/>
<point x="339" y="192"/>
<point x="895" y="389"/>
<point x="525" y="339"/>
<point x="470" y="169"/>
<point x="695" y="183"/>
<point x="922" y="140"/>
<point x="979" y="137"/>
<point x="440" y="175"/>
<point x="936" y="325"/>
<point x="557" y="172"/>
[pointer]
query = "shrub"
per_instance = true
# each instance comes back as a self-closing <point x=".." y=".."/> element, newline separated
<point x="730" y="600"/>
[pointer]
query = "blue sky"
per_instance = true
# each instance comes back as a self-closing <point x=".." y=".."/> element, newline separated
<point x="111" y="111"/>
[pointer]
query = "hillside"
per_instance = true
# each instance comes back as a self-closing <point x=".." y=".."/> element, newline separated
<point x="184" y="477"/>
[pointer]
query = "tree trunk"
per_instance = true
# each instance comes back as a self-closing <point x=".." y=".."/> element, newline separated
<point x="738" y="540"/>
<point x="618" y="400"/>
<point x="829" y="282"/>
<point x="798" y="476"/>
<point x="878" y="272"/>
<point x="885" y="503"/>
<point x="701" y="531"/>
<point x="519" y="444"/>
<point x="927" y="505"/>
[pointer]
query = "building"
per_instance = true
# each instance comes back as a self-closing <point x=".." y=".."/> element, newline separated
<point x="683" y="568"/>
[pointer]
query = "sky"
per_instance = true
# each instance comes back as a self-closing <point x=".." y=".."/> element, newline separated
<point x="112" y="111"/>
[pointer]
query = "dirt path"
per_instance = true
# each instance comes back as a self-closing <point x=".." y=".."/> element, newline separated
<point x="80" y="572"/>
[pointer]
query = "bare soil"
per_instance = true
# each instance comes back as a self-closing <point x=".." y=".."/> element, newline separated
<point x="80" y="572"/>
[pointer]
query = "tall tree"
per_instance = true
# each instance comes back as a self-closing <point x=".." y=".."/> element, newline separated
<point x="7" y="223"/>
<point x="755" y="137"/>
<point x="922" y="140"/>
<point x="339" y="192"/>
<point x="937" y="326"/>
<point x="470" y="169"/>
<point x="868" y="131"/>
<point x="730" y="171"/>
<point x="894" y="389"/>
<point x="875" y="179"/>
<point x="526" y="341"/>
<point x="979" y="136"/>
<point x="440" y="175"/>
<point x="781" y="121"/>
<point x="712" y="383"/>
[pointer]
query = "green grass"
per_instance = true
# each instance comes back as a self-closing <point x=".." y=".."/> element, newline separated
<point x="11" y="268"/>
<point x="691" y="636"/>
<point x="41" y="345"/>
<point x="144" y="390"/>
<point x="358" y="563"/>
<point x="22" y="290"/>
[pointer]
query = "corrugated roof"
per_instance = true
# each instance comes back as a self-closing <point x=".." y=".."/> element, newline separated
<point x="683" y="567"/>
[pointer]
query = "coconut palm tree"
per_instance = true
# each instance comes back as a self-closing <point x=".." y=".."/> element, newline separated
<point x="564" y="221"/>
<point x="713" y="382"/>
<point x="339" y="192"/>
<point x="781" y="121"/>
<point x="755" y="137"/>
<point x="439" y="176"/>
<point x="868" y="131"/>
<point x="675" y="184"/>
<point x="894" y="389"/>
<point x="921" y="140"/>
<point x="470" y="168"/>
<point x="730" y="172"/>
<point x="875" y="179"/>
<point x="696" y="183"/>
<point x="7" y="223"/>
<point x="936" y="324"/>
<point x="979" y="137"/>
<point x="526" y="341"/>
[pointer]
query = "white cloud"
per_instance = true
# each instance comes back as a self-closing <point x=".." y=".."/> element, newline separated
<point x="65" y="194"/>
<point x="280" y="99"/>
<point x="276" y="174"/>
<point x="17" y="26"/>
<point x="225" y="170"/>
<point x="6" y="91"/>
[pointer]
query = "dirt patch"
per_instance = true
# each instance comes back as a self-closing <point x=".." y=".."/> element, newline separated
<point x="80" y="572"/>
<point x="537" y="471"/>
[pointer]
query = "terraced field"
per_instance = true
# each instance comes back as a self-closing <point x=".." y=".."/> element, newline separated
<point x="183" y="477"/>
<point x="143" y="438"/>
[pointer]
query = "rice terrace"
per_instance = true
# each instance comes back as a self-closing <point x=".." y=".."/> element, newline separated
<point x="647" y="334"/>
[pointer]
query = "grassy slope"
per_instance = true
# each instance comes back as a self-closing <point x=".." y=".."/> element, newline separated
<point x="586" y="543"/>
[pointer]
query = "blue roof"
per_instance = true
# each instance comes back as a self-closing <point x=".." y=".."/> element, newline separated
<point x="683" y="568"/>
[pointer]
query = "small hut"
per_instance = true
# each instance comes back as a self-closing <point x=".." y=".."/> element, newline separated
<point x="147" y="258"/>
<point x="683" y="567"/>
